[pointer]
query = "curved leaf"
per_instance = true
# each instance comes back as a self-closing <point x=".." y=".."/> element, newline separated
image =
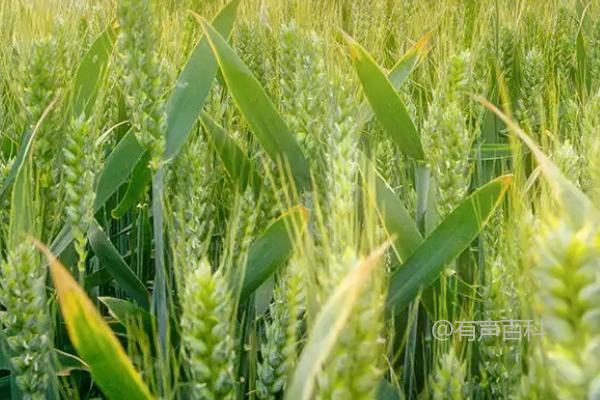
<point x="445" y="243"/>
<point x="117" y="168"/>
<point x="93" y="339"/>
<point x="193" y="84"/>
<point x="396" y="218"/>
<point x="271" y="250"/>
<point x="124" y="311"/>
<point x="264" y="120"/>
<point x="385" y="102"/>
<point x="24" y="148"/>
<point x="236" y="163"/>
<point x="113" y="262"/>
<point x="91" y="70"/>
<point x="398" y="75"/>
<point x="68" y="362"/>
<point x="140" y="177"/>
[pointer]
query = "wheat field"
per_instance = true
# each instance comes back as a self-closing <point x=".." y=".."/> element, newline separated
<point x="300" y="199"/>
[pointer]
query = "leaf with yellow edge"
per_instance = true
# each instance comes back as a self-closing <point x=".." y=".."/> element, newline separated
<point x="328" y="326"/>
<point x="94" y="341"/>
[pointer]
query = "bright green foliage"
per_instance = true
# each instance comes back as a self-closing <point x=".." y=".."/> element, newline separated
<point x="328" y="179"/>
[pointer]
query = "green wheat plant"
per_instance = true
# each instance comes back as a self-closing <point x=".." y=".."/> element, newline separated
<point x="281" y="200"/>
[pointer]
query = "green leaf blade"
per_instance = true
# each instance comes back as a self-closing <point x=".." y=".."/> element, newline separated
<point x="239" y="167"/>
<point x="260" y="112"/>
<point x="271" y="250"/>
<point x="91" y="71"/>
<point x="194" y="83"/>
<point x="445" y="244"/>
<point x="386" y="103"/>
<point x="111" y="259"/>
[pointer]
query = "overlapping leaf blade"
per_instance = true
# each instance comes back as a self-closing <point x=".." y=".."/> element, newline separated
<point x="397" y="75"/>
<point x="260" y="112"/>
<point x="91" y="71"/>
<point x="271" y="249"/>
<point x="445" y="244"/>
<point x="111" y="259"/>
<point x="239" y="167"/>
<point x="193" y="84"/>
<point x="385" y="102"/>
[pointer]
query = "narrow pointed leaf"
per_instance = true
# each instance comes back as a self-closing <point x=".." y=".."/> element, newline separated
<point x="68" y="362"/>
<point x="117" y="168"/>
<point x="124" y="312"/>
<point x="140" y="177"/>
<point x="398" y="75"/>
<point x="193" y="84"/>
<point x="21" y="213"/>
<point x="397" y="220"/>
<point x="400" y="72"/>
<point x="239" y="167"/>
<point x="264" y="120"/>
<point x="91" y="71"/>
<point x="445" y="244"/>
<point x="394" y="215"/>
<point x="582" y="64"/>
<point x="23" y="152"/>
<point x="386" y="102"/>
<point x="113" y="262"/>
<point x="93" y="339"/>
<point x="328" y="326"/>
<point x="271" y="250"/>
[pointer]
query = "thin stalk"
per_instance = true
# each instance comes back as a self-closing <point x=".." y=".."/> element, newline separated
<point x="159" y="296"/>
<point x="422" y="188"/>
